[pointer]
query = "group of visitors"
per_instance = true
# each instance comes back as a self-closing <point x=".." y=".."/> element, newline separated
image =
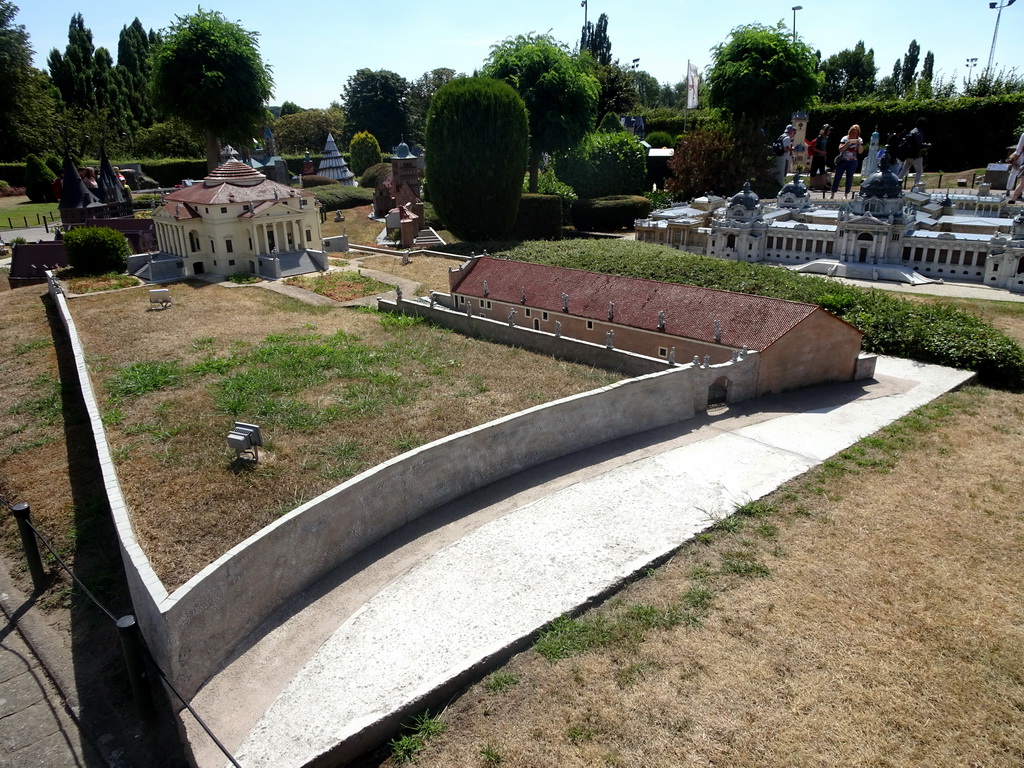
<point x="904" y="149"/>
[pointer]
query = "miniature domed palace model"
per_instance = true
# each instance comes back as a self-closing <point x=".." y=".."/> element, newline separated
<point x="883" y="233"/>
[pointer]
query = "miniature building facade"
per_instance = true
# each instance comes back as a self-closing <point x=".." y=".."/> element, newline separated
<point x="882" y="233"/>
<point x="237" y="221"/>
<point x="799" y="344"/>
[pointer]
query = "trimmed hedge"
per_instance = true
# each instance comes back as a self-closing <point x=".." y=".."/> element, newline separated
<point x="609" y="214"/>
<point x="540" y="218"/>
<point x="170" y="172"/>
<point x="96" y="250"/>
<point x="38" y="180"/>
<point x="965" y="132"/>
<point x="929" y="332"/>
<point x="338" y="197"/>
<point x="13" y="173"/>
<point x="364" y="151"/>
<point x="604" y="164"/>
<point x="374" y="174"/>
<point x="318" y="181"/>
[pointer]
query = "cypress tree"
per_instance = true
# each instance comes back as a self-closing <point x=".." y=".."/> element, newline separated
<point x="478" y="135"/>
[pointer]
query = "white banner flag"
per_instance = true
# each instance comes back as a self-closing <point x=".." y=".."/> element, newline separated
<point x="692" y="81"/>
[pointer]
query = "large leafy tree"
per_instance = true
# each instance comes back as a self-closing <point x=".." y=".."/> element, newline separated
<point x="207" y="72"/>
<point x="761" y="74"/>
<point x="560" y="97"/>
<point x="848" y="75"/>
<point x="27" y="99"/>
<point x="296" y="132"/>
<point x="421" y="93"/>
<point x="72" y="71"/>
<point x="377" y="102"/>
<point x="477" y="131"/>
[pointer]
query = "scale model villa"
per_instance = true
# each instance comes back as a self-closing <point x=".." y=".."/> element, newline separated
<point x="236" y="221"/>
<point x="799" y="345"/>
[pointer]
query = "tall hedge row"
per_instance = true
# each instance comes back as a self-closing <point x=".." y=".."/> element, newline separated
<point x="477" y="134"/>
<point x="964" y="132"/>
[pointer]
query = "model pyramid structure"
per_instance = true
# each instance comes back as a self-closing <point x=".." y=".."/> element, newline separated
<point x="333" y="165"/>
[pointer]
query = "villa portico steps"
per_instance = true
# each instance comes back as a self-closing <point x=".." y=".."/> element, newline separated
<point x="858" y="271"/>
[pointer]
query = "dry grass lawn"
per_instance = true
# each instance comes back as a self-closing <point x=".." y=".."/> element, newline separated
<point x="866" y="616"/>
<point x="336" y="390"/>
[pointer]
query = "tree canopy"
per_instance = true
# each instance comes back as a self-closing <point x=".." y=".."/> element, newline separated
<point x="560" y="97"/>
<point x="477" y="132"/>
<point x="421" y="93"/>
<point x="27" y="98"/>
<point x="848" y="75"/>
<point x="377" y="102"/>
<point x="207" y="71"/>
<point x="761" y="74"/>
<point x="296" y="132"/>
<point x="595" y="40"/>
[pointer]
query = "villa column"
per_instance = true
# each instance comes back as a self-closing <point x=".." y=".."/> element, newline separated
<point x="254" y="238"/>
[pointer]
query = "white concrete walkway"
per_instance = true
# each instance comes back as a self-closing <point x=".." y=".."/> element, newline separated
<point x="541" y="550"/>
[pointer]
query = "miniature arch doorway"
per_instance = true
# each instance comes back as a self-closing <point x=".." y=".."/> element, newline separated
<point x="864" y="243"/>
<point x="718" y="392"/>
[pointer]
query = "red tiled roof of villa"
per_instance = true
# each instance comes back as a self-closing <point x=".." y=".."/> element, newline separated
<point x="234" y="182"/>
<point x="690" y="311"/>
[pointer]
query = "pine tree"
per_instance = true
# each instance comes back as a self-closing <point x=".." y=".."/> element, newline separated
<point x="72" y="72"/>
<point x="133" y="47"/>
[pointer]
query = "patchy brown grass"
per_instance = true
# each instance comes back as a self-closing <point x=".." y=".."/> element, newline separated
<point x="340" y="286"/>
<point x="189" y="500"/>
<point x="111" y="281"/>
<point x="429" y="271"/>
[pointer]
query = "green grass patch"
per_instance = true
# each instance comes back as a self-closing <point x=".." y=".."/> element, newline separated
<point x="145" y="376"/>
<point x="416" y="734"/>
<point x="340" y="286"/>
<point x="28" y="346"/>
<point x="932" y="332"/>
<point x="110" y="281"/>
<point x="500" y="682"/>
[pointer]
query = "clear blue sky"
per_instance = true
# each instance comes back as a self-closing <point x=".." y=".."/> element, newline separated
<point x="315" y="46"/>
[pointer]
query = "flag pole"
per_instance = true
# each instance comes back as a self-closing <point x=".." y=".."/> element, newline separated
<point x="686" y="112"/>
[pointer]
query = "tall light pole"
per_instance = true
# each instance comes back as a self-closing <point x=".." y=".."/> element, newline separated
<point x="583" y="40"/>
<point x="991" y="54"/>
<point x="971" y="64"/>
<point x="800" y="8"/>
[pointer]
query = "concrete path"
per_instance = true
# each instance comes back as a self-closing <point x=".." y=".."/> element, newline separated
<point x="431" y="608"/>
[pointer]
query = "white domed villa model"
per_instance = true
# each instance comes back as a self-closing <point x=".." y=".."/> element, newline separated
<point x="236" y="222"/>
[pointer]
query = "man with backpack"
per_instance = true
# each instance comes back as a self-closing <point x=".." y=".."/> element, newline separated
<point x="909" y="151"/>
<point x="782" y="148"/>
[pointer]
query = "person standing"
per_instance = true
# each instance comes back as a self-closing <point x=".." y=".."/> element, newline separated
<point x="850" y="149"/>
<point x="784" y="162"/>
<point x="892" y="143"/>
<point x="819" y="153"/>
<point x="1017" y="161"/>
<point x="911" y="148"/>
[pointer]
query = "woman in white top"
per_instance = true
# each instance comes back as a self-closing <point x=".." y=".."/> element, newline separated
<point x="1017" y="160"/>
<point x="850" y="149"/>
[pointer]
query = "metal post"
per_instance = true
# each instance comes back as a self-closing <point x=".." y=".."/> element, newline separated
<point x="29" y="544"/>
<point x="135" y="663"/>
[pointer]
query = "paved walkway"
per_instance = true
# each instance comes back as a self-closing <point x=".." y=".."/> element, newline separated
<point x="37" y="729"/>
<point x="432" y="607"/>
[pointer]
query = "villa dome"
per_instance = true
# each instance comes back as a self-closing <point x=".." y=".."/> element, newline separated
<point x="747" y="198"/>
<point x="234" y="172"/>
<point x="882" y="183"/>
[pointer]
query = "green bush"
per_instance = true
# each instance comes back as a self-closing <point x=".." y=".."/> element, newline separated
<point x="604" y="164"/>
<point x="54" y="164"/>
<point x="338" y="197"/>
<point x="610" y="123"/>
<point x="932" y="333"/>
<point x="96" y="250"/>
<point x="14" y="173"/>
<point x="660" y="139"/>
<point x="317" y="181"/>
<point x="478" y="135"/>
<point x="374" y="174"/>
<point x="540" y="218"/>
<point x="365" y="151"/>
<point x="548" y="184"/>
<point x="145" y="202"/>
<point x="38" y="180"/>
<point x="609" y="214"/>
<point x="170" y="172"/>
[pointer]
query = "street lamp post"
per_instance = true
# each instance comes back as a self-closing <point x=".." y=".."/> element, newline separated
<point x="971" y="64"/>
<point x="800" y="8"/>
<point x="583" y="5"/>
<point x="991" y="54"/>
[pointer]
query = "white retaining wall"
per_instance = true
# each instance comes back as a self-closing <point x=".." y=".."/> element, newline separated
<point x="193" y="631"/>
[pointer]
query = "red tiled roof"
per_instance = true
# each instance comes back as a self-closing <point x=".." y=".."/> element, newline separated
<point x="690" y="311"/>
<point x="234" y="182"/>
